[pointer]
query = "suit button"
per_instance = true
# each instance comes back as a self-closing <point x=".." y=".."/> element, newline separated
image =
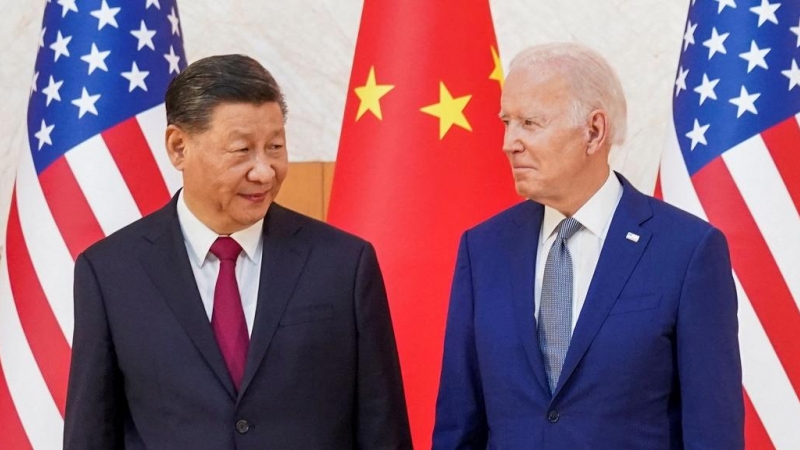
<point x="242" y="426"/>
<point x="553" y="416"/>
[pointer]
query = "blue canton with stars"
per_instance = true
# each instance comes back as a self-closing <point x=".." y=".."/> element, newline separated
<point x="100" y="62"/>
<point x="738" y="74"/>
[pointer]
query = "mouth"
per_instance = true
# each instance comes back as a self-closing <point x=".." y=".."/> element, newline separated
<point x="255" y="198"/>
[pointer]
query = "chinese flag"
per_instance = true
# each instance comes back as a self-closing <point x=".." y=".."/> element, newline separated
<point x="420" y="161"/>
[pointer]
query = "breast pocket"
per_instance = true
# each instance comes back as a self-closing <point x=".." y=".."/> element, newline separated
<point x="633" y="303"/>
<point x="303" y="314"/>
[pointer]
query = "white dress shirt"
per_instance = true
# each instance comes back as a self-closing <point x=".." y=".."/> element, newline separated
<point x="199" y="238"/>
<point x="584" y="246"/>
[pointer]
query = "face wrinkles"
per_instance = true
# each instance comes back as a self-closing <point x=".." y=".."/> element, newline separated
<point x="234" y="169"/>
<point x="546" y="151"/>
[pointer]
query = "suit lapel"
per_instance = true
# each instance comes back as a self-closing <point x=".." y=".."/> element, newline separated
<point x="523" y="243"/>
<point x="284" y="256"/>
<point x="167" y="264"/>
<point x="618" y="258"/>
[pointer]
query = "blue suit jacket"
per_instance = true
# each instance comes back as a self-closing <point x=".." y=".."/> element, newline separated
<point x="654" y="357"/>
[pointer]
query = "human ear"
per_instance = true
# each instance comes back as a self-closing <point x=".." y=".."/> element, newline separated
<point x="597" y="132"/>
<point x="175" y="140"/>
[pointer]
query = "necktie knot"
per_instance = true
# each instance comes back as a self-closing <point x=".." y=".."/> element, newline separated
<point x="569" y="226"/>
<point x="226" y="249"/>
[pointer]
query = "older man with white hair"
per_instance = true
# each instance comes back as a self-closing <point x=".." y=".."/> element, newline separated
<point x="590" y="316"/>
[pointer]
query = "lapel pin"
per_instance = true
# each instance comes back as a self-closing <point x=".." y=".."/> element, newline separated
<point x="632" y="237"/>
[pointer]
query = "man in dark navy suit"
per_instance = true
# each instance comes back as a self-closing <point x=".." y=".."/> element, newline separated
<point x="590" y="316"/>
<point x="224" y="320"/>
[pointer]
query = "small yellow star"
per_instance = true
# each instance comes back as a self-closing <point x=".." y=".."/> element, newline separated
<point x="449" y="110"/>
<point x="370" y="95"/>
<point x="497" y="73"/>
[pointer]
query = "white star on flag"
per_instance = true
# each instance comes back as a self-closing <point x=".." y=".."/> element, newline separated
<point x="66" y="6"/>
<point x="144" y="36"/>
<point x="96" y="59"/>
<point x="34" y="80"/>
<point x="796" y="31"/>
<point x="105" y="16"/>
<point x="680" y="82"/>
<point x="688" y="36"/>
<point x="745" y="102"/>
<point x="60" y="46"/>
<point x="793" y="75"/>
<point x="51" y="91"/>
<point x="173" y="20"/>
<point x="724" y="3"/>
<point x="41" y="37"/>
<point x="698" y="134"/>
<point x="43" y="135"/>
<point x="716" y="43"/>
<point x="706" y="89"/>
<point x="173" y="60"/>
<point x="86" y="103"/>
<point x="755" y="57"/>
<point x="766" y="12"/>
<point x="136" y="78"/>
<point x="152" y="3"/>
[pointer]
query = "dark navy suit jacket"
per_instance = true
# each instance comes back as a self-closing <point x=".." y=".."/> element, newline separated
<point x="322" y="370"/>
<point x="654" y="359"/>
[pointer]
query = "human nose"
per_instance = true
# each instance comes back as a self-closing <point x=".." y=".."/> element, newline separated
<point x="511" y="141"/>
<point x="262" y="170"/>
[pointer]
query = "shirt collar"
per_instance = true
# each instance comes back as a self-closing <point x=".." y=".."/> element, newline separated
<point x="200" y="237"/>
<point x="594" y="215"/>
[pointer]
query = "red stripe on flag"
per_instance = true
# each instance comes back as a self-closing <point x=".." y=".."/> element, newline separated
<point x="12" y="434"/>
<point x="45" y="338"/>
<point x="754" y="264"/>
<point x="781" y="141"/>
<point x="658" y="192"/>
<point x="73" y="215"/>
<point x="755" y="435"/>
<point x="138" y="166"/>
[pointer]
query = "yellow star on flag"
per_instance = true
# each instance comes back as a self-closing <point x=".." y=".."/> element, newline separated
<point x="497" y="73"/>
<point x="449" y="110"/>
<point x="370" y="95"/>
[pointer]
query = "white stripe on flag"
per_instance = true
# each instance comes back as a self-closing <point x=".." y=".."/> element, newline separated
<point x="676" y="184"/>
<point x="768" y="200"/>
<point x="102" y="184"/>
<point x="35" y="407"/>
<point x="153" y="122"/>
<point x="765" y="380"/>
<point x="51" y="258"/>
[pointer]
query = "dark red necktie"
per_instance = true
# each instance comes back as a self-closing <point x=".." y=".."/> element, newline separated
<point x="227" y="319"/>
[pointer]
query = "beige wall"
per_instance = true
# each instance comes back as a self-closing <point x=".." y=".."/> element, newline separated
<point x="307" y="188"/>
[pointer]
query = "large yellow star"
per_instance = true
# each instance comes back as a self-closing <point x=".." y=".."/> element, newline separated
<point x="370" y="95"/>
<point x="449" y="110"/>
<point x="497" y="73"/>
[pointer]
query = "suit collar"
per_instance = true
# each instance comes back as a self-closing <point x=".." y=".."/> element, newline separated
<point x="618" y="258"/>
<point x="167" y="263"/>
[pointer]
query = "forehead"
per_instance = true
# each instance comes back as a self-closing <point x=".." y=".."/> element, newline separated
<point x="229" y="117"/>
<point x="529" y="89"/>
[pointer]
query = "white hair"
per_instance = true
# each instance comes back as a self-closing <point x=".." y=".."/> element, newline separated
<point x="594" y="83"/>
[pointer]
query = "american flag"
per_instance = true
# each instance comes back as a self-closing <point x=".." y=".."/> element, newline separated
<point x="733" y="158"/>
<point x="93" y="161"/>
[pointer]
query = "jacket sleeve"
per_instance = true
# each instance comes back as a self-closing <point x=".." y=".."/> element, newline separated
<point x="460" y="413"/>
<point x="709" y="366"/>
<point x="95" y="398"/>
<point x="382" y="418"/>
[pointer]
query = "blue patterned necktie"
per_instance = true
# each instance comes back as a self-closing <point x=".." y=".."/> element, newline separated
<point x="555" y="311"/>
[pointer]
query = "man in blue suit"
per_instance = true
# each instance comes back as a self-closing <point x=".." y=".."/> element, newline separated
<point x="590" y="316"/>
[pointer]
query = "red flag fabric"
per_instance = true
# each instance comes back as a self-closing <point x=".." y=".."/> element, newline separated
<point x="420" y="160"/>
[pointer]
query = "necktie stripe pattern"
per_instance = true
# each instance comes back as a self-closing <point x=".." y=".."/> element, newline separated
<point x="555" y="312"/>
<point x="227" y="319"/>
